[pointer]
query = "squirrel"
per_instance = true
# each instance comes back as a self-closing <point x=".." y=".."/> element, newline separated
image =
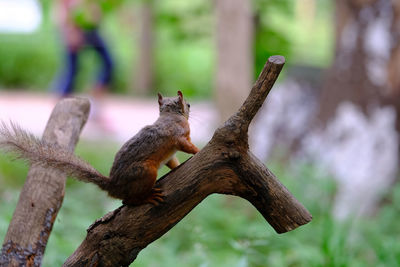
<point x="134" y="170"/>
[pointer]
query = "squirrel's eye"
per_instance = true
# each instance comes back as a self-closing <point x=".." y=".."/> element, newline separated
<point x="188" y="105"/>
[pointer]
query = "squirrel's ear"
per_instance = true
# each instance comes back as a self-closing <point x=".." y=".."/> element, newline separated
<point x="181" y="101"/>
<point x="160" y="98"/>
<point x="180" y="96"/>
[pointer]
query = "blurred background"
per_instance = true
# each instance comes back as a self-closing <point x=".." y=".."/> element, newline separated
<point x="329" y="129"/>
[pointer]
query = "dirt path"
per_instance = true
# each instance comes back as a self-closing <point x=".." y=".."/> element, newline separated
<point x="123" y="116"/>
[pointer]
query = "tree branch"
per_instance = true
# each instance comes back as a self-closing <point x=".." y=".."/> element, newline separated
<point x="43" y="191"/>
<point x="225" y="165"/>
<point x="260" y="90"/>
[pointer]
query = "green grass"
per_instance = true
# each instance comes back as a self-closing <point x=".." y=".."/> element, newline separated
<point x="223" y="230"/>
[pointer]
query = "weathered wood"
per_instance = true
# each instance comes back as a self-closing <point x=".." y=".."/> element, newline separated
<point x="43" y="191"/>
<point x="225" y="165"/>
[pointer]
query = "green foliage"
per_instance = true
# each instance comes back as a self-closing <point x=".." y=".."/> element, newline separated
<point x="27" y="62"/>
<point x="184" y="47"/>
<point x="196" y="62"/>
<point x="185" y="50"/>
<point x="109" y="5"/>
<point x="269" y="39"/>
<point x="225" y="231"/>
<point x="12" y="173"/>
<point x="183" y="20"/>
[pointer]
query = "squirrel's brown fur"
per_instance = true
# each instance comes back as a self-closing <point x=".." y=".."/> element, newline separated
<point x="134" y="171"/>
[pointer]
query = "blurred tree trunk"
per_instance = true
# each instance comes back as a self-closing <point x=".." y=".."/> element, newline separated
<point x="144" y="70"/>
<point x="364" y="48"/>
<point x="234" y="54"/>
<point x="393" y="74"/>
<point x="358" y="117"/>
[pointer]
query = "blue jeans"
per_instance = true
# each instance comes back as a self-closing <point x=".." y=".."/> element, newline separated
<point x="93" y="40"/>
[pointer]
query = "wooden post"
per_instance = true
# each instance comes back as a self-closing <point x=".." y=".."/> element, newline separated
<point x="43" y="191"/>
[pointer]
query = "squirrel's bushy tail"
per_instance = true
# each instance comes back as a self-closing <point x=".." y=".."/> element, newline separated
<point x="25" y="145"/>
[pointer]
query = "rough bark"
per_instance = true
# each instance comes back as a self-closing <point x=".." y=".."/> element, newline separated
<point x="43" y="191"/>
<point x="225" y="165"/>
<point x="234" y="54"/>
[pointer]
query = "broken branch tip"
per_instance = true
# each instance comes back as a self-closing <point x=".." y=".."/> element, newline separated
<point x="280" y="60"/>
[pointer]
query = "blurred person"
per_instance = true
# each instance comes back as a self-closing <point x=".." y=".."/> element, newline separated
<point x="79" y="22"/>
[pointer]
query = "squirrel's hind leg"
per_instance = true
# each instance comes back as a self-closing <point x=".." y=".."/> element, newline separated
<point x="142" y="190"/>
<point x="156" y="196"/>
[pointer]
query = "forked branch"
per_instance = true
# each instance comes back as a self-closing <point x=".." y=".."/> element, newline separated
<point x="225" y="165"/>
